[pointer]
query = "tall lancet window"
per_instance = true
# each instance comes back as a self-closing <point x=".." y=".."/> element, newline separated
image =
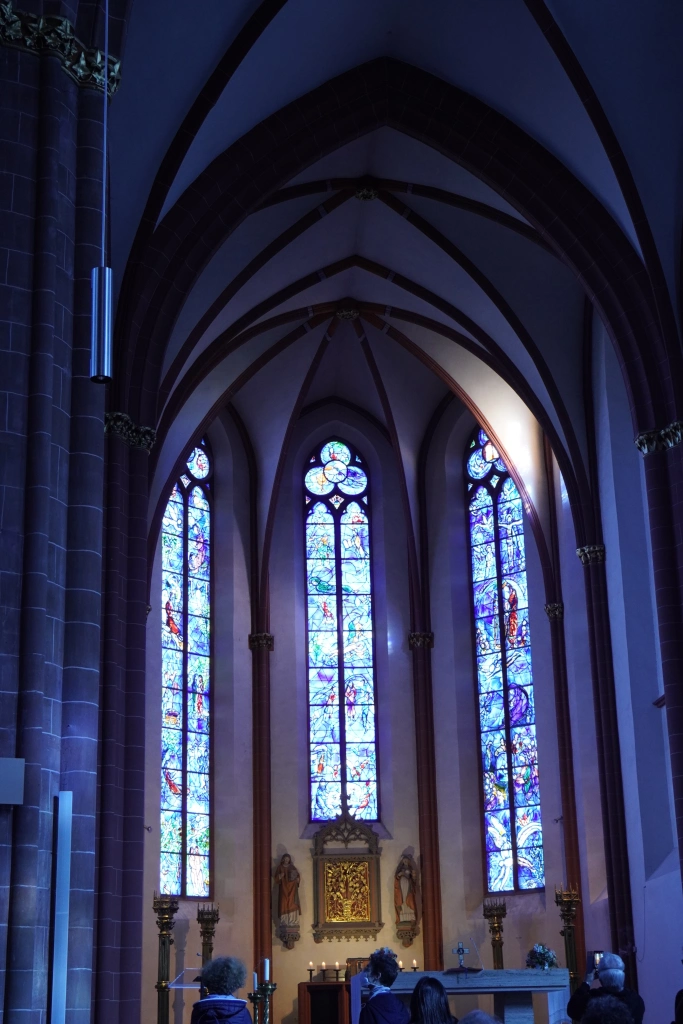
<point x="341" y="674"/>
<point x="185" y="683"/>
<point x="507" y="721"/>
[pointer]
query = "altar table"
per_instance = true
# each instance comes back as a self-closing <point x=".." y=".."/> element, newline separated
<point x="512" y="991"/>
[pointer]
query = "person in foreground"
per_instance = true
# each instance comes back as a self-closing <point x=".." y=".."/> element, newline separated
<point x="608" y="1010"/>
<point x="429" y="1003"/>
<point x="383" y="1007"/>
<point x="221" y="978"/>
<point x="610" y="975"/>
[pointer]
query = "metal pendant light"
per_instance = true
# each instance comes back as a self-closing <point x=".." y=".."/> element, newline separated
<point x="101" y="277"/>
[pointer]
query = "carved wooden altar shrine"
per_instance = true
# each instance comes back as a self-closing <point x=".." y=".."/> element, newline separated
<point x="346" y="882"/>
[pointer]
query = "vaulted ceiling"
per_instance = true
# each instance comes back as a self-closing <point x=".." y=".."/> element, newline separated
<point x="384" y="202"/>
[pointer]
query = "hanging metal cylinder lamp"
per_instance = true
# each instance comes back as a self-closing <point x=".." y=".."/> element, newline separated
<point x="101" y="325"/>
<point x="101" y="277"/>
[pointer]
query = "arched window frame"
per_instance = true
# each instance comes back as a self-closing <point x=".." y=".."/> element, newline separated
<point x="517" y="764"/>
<point x="337" y="502"/>
<point x="185" y="816"/>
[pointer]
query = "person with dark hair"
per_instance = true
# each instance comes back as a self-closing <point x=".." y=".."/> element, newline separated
<point x="429" y="1003"/>
<point x="607" y="1010"/>
<point x="222" y="977"/>
<point x="611" y="975"/>
<point x="678" y="1007"/>
<point x="383" y="1007"/>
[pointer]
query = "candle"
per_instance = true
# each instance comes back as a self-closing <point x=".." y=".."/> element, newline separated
<point x="255" y="981"/>
<point x="414" y="963"/>
<point x="323" y="965"/>
<point x="310" y="964"/>
<point x="266" y="970"/>
<point x="400" y="964"/>
<point x="336" y="965"/>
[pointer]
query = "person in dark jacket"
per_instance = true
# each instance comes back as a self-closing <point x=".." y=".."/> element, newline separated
<point x="610" y="974"/>
<point x="383" y="1007"/>
<point x="429" y="1003"/>
<point x="221" y="978"/>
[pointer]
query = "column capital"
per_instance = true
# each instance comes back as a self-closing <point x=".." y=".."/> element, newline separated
<point x="420" y="640"/>
<point x="261" y="642"/>
<point x="120" y="424"/>
<point x="555" y="610"/>
<point x="590" y="553"/>
<point x="649" y="441"/>
<point x="55" y="37"/>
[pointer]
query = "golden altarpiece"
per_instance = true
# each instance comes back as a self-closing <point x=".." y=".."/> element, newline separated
<point x="346" y="881"/>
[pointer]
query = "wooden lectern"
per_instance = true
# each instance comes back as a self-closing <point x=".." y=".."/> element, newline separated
<point x="324" y="1002"/>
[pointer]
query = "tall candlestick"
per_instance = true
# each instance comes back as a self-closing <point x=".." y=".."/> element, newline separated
<point x="266" y="989"/>
<point x="256" y="998"/>
<point x="568" y="901"/>
<point x="494" y="912"/>
<point x="165" y="907"/>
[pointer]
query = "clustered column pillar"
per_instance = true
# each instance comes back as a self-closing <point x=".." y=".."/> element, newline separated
<point x="51" y="491"/>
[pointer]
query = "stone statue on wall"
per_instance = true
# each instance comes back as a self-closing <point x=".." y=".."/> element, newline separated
<point x="288" y="879"/>
<point x="405" y="899"/>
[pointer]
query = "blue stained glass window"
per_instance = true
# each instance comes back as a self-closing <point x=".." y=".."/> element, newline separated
<point x="185" y="682"/>
<point x="509" y="755"/>
<point x="341" y="673"/>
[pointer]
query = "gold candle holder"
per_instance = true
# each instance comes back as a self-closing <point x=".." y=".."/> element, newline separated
<point x="165" y="907"/>
<point x="568" y="900"/>
<point x="207" y="919"/>
<point x="494" y="911"/>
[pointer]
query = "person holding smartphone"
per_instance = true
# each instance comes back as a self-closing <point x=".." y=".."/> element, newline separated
<point x="605" y="977"/>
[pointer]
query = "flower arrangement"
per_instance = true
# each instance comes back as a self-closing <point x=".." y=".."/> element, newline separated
<point x="541" y="956"/>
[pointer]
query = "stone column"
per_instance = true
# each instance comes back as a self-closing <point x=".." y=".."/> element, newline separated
<point x="555" y="613"/>
<point x="121" y="820"/>
<point x="609" y="758"/>
<point x="421" y="645"/>
<point x="261" y="644"/>
<point x="663" y="454"/>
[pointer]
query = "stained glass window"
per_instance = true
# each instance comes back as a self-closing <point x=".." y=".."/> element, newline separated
<point x="507" y="721"/>
<point x="185" y="683"/>
<point x="341" y="672"/>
